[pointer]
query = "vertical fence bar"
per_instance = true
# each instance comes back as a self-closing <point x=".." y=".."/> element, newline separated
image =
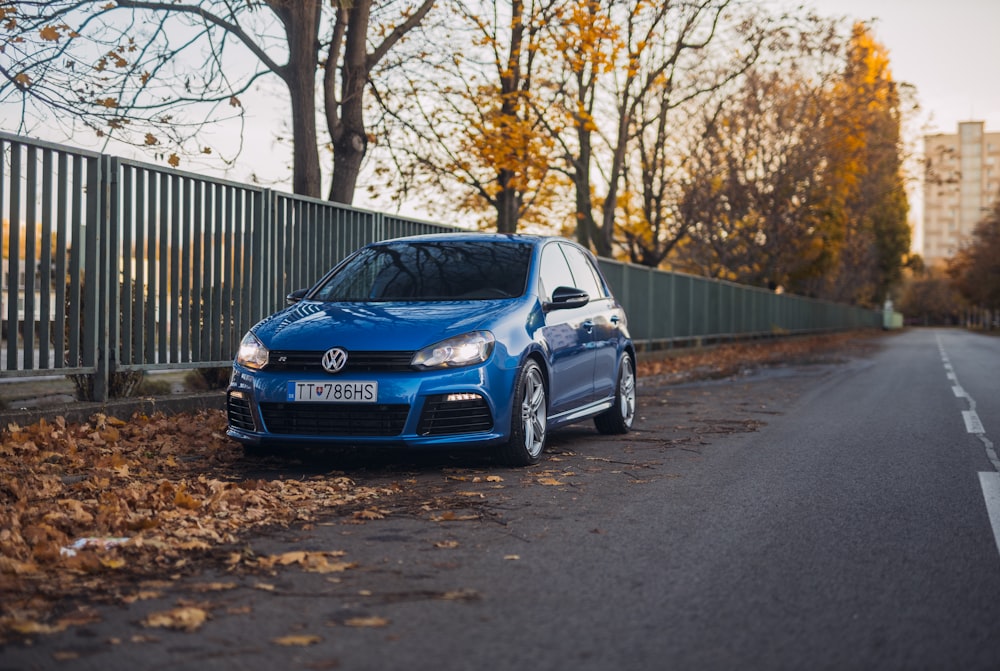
<point x="281" y="245"/>
<point x="186" y="267"/>
<point x="162" y="266"/>
<point x="198" y="335"/>
<point x="152" y="265"/>
<point x="14" y="258"/>
<point x="217" y="219"/>
<point x="7" y="283"/>
<point x="45" y="265"/>
<point x="75" y="265"/>
<point x="251" y="269"/>
<point x="110" y="227"/>
<point x="30" y="265"/>
<point x="238" y="242"/>
<point x="175" y="269"/>
<point x="130" y="287"/>
<point x="143" y="312"/>
<point x="92" y="336"/>
<point x="62" y="228"/>
<point x="229" y="227"/>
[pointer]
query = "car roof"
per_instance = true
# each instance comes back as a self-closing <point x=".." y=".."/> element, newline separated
<point x="472" y="236"/>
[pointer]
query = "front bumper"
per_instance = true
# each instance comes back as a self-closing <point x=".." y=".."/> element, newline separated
<point x="414" y="409"/>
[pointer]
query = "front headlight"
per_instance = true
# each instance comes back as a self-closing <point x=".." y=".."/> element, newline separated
<point x="463" y="350"/>
<point x="252" y="352"/>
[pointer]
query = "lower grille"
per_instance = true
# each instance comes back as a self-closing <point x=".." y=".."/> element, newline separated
<point x="328" y="419"/>
<point x="238" y="411"/>
<point x="444" y="415"/>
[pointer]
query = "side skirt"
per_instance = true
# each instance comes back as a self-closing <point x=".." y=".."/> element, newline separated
<point x="583" y="412"/>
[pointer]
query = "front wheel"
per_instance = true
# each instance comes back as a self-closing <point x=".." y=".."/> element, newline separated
<point x="528" y="419"/>
<point x="619" y="418"/>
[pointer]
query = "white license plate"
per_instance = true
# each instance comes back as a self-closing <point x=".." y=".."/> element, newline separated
<point x="333" y="392"/>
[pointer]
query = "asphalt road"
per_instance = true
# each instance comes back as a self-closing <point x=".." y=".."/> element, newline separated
<point x="829" y="516"/>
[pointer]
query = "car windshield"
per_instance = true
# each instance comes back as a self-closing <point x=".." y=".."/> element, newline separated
<point x="430" y="271"/>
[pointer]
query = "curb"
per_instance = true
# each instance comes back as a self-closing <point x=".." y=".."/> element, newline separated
<point x="124" y="408"/>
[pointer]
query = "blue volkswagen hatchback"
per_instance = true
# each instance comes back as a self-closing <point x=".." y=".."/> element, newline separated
<point x="437" y="341"/>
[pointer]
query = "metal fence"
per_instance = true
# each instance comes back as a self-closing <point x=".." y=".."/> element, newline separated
<point x="116" y="265"/>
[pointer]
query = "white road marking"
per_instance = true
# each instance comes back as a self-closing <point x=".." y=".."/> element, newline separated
<point x="990" y="483"/>
<point x="972" y="423"/>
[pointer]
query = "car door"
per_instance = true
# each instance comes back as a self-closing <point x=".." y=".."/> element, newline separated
<point x="602" y="321"/>
<point x="571" y="356"/>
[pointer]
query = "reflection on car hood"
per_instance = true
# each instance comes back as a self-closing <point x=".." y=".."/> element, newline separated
<point x="375" y="326"/>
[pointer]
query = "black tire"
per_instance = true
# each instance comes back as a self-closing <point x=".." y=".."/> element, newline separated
<point x="618" y="419"/>
<point x="528" y="419"/>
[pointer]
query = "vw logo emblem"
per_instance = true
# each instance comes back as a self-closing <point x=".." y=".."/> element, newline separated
<point x="334" y="360"/>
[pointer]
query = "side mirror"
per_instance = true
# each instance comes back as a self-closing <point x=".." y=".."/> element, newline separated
<point x="296" y="296"/>
<point x="564" y="298"/>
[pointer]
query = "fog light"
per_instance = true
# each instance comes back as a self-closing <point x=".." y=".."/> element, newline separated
<point x="462" y="397"/>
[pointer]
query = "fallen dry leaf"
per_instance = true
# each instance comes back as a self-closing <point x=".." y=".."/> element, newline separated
<point x="370" y="515"/>
<point x="142" y="595"/>
<point x="185" y="618"/>
<point x="297" y="640"/>
<point x="160" y="487"/>
<point x="33" y="627"/>
<point x="214" y="586"/>
<point x="451" y="516"/>
<point x="366" y="622"/>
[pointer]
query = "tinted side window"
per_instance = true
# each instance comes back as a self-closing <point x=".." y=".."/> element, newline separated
<point x="554" y="272"/>
<point x="584" y="275"/>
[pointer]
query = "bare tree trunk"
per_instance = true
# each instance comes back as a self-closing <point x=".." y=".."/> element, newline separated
<point x="350" y="139"/>
<point x="603" y="241"/>
<point x="586" y="227"/>
<point x="301" y="21"/>
<point x="506" y="204"/>
<point x="345" y="116"/>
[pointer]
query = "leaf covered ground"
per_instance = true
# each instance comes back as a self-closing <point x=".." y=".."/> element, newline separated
<point x="105" y="509"/>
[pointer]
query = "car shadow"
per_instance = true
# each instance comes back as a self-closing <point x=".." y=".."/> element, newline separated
<point x="301" y="462"/>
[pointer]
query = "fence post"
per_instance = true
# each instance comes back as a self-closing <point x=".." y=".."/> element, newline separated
<point x="101" y="291"/>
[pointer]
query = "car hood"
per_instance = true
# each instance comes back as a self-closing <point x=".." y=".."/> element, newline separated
<point x="316" y="326"/>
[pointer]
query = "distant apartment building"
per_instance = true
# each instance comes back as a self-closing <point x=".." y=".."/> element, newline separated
<point x="961" y="181"/>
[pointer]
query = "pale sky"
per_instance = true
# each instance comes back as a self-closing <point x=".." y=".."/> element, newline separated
<point x="948" y="49"/>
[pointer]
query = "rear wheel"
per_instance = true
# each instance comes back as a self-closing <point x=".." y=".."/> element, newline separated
<point x="528" y="419"/>
<point x="619" y="418"/>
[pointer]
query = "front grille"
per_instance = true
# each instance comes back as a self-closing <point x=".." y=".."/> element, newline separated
<point x="443" y="417"/>
<point x="357" y="362"/>
<point x="238" y="410"/>
<point x="334" y="419"/>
